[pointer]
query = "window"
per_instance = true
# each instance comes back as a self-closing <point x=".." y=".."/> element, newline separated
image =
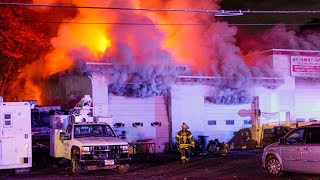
<point x="229" y="122"/>
<point x="247" y="122"/>
<point x="7" y="116"/>
<point x="35" y="119"/>
<point x="93" y="131"/>
<point x="40" y="119"/>
<point x="300" y="119"/>
<point x="136" y="124"/>
<point x="69" y="129"/>
<point x="7" y="120"/>
<point x="7" y="123"/>
<point x="212" y="122"/>
<point x="296" y="137"/>
<point x="68" y="132"/>
<point x="313" y="136"/>
<point x="45" y="119"/>
<point x="312" y="119"/>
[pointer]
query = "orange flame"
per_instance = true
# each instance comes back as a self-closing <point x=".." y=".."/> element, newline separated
<point x="72" y="36"/>
<point x="84" y="34"/>
<point x="186" y="43"/>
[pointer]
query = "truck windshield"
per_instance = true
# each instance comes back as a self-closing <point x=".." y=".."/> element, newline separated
<point x="93" y="130"/>
<point x="40" y="119"/>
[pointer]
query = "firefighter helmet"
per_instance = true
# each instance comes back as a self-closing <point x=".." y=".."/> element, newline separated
<point x="185" y="126"/>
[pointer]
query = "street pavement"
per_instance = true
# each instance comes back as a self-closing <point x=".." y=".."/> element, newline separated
<point x="240" y="164"/>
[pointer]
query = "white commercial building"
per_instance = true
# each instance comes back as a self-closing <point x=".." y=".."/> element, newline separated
<point x="159" y="118"/>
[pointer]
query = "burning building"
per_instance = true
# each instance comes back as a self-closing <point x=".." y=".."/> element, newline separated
<point x="157" y="114"/>
<point x="153" y="70"/>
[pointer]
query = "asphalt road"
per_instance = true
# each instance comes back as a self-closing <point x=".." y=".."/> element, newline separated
<point x="243" y="164"/>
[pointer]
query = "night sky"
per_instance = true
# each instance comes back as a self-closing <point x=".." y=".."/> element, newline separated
<point x="271" y="18"/>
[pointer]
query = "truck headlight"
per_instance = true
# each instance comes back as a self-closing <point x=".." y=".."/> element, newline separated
<point x="125" y="148"/>
<point x="86" y="149"/>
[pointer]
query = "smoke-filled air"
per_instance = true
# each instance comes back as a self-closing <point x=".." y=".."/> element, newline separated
<point x="145" y="48"/>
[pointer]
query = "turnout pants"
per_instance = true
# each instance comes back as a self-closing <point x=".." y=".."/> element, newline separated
<point x="184" y="151"/>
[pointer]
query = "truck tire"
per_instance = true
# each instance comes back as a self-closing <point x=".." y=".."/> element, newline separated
<point x="123" y="168"/>
<point x="273" y="166"/>
<point x="75" y="166"/>
<point x="223" y="152"/>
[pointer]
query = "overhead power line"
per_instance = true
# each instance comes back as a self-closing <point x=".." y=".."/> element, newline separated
<point x="220" y="12"/>
<point x="162" y="24"/>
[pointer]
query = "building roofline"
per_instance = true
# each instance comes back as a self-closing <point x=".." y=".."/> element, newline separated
<point x="295" y="50"/>
<point x="291" y="52"/>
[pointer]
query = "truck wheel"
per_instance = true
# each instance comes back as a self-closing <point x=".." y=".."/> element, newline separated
<point x="123" y="168"/>
<point x="273" y="166"/>
<point x="223" y="152"/>
<point x="75" y="166"/>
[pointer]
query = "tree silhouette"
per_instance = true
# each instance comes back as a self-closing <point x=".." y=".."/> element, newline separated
<point x="21" y="41"/>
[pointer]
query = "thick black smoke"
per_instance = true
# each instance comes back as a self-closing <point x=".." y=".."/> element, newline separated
<point x="142" y="81"/>
<point x="141" y="67"/>
<point x="280" y="37"/>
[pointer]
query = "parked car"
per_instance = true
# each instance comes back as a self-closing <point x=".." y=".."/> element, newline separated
<point x="297" y="151"/>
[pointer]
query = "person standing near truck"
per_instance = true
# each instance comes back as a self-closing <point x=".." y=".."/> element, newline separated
<point x="185" y="139"/>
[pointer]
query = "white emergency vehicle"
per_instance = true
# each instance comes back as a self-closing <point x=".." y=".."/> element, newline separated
<point x="88" y="142"/>
<point x="15" y="136"/>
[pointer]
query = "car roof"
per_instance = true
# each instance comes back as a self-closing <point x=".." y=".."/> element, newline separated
<point x="314" y="125"/>
<point x="308" y="126"/>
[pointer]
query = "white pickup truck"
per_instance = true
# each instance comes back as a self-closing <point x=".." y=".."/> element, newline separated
<point x="86" y="142"/>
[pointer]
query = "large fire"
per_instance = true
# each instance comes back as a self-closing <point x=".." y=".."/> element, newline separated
<point x="73" y="35"/>
<point x="95" y="32"/>
<point x="186" y="43"/>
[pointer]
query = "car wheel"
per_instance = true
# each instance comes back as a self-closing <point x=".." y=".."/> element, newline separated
<point x="273" y="166"/>
<point x="75" y="166"/>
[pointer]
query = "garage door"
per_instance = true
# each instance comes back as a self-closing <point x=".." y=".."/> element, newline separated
<point x="224" y="120"/>
<point x="307" y="104"/>
<point x="144" y="119"/>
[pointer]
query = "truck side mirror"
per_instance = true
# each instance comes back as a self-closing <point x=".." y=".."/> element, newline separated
<point x="282" y="140"/>
<point x="62" y="136"/>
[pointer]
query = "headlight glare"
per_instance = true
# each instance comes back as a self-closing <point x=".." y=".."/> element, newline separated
<point x="86" y="149"/>
<point x="125" y="148"/>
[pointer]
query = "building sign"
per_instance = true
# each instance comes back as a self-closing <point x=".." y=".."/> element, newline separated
<point x="305" y="66"/>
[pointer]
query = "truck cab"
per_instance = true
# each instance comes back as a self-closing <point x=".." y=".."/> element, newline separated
<point x="87" y="142"/>
<point x="90" y="146"/>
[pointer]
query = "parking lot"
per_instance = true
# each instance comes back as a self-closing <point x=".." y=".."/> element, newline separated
<point x="241" y="164"/>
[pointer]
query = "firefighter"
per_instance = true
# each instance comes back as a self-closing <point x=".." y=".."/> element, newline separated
<point x="185" y="139"/>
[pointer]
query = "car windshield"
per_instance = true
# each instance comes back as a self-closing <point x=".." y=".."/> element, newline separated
<point x="93" y="130"/>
